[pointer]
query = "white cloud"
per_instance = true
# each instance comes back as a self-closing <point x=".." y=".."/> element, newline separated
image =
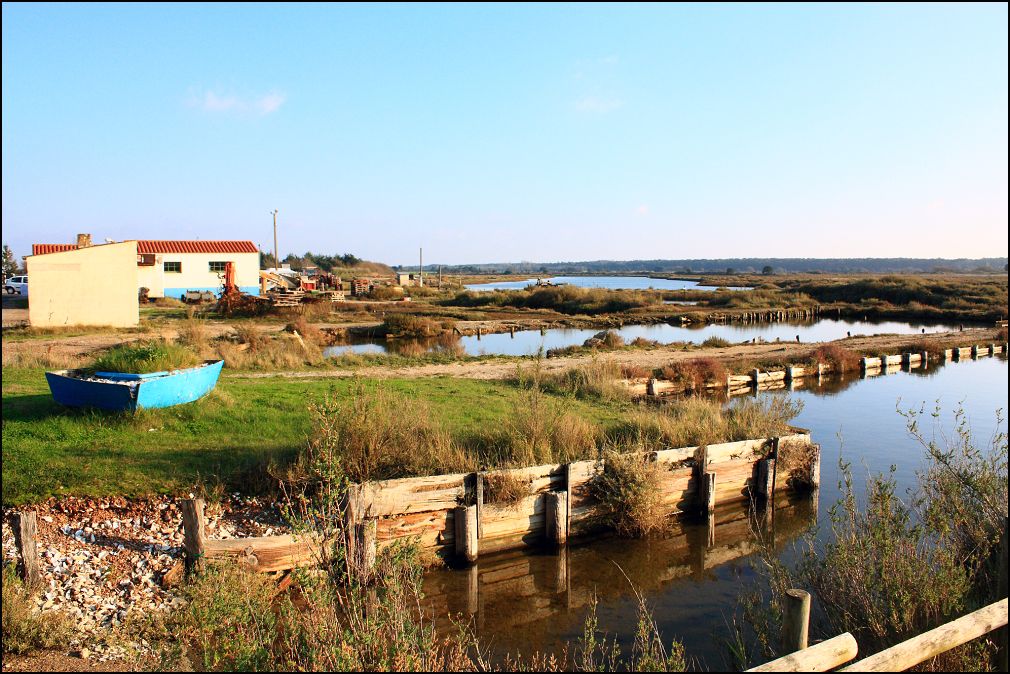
<point x="598" y="104"/>
<point x="211" y="101"/>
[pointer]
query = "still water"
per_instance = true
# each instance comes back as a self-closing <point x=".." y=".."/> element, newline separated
<point x="608" y="282"/>
<point x="528" y="342"/>
<point x="522" y="602"/>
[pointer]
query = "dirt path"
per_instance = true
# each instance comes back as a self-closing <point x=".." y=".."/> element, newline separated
<point x="504" y="368"/>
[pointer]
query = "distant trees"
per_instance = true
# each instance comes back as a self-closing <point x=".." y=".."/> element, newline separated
<point x="767" y="270"/>
<point x="325" y="262"/>
<point x="10" y="263"/>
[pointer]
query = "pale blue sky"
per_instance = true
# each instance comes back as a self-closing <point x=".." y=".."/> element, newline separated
<point x="507" y="133"/>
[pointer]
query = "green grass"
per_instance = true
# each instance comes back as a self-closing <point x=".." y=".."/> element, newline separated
<point x="232" y="434"/>
<point x="145" y="357"/>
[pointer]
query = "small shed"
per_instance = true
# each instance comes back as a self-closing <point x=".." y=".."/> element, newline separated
<point x="90" y="285"/>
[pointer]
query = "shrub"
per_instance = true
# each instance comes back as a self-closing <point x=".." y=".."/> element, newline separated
<point x="143" y="357"/>
<point x="628" y="496"/>
<point x="696" y="373"/>
<point x="193" y="334"/>
<point x="24" y="628"/>
<point x="716" y="343"/>
<point x="838" y="357"/>
<point x="309" y="332"/>
<point x="409" y="325"/>
<point x="612" y="340"/>
<point x="635" y="372"/>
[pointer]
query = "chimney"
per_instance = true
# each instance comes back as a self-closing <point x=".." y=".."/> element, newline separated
<point x="83" y="240"/>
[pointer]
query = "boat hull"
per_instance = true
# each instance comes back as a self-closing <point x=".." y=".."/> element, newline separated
<point x="131" y="393"/>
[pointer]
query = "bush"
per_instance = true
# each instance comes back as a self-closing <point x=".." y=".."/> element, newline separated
<point x="24" y="628"/>
<point x="696" y="373"/>
<point x="409" y="325"/>
<point x="838" y="357"/>
<point x="628" y="496"/>
<point x="716" y="343"/>
<point x="308" y="332"/>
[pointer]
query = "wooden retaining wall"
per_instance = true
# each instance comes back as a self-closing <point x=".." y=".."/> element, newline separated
<point x="449" y="514"/>
<point x="741" y="384"/>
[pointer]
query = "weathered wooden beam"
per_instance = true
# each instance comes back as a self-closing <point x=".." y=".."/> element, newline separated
<point x="465" y="518"/>
<point x="266" y="553"/>
<point x="194" y="529"/>
<point x="822" y="657"/>
<point x="708" y="491"/>
<point x="796" y="623"/>
<point x="766" y="478"/>
<point x="25" y="527"/>
<point x="479" y="501"/>
<point x="929" y="644"/>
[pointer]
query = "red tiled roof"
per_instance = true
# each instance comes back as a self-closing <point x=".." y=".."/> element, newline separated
<point x="46" y="248"/>
<point x="196" y="247"/>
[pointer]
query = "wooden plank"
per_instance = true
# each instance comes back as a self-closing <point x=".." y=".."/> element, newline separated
<point x="822" y="657"/>
<point x="432" y="529"/>
<point x="929" y="644"/>
<point x="412" y="495"/>
<point x="266" y="553"/>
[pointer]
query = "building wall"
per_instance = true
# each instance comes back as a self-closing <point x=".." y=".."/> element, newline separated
<point x="96" y="285"/>
<point x="196" y="274"/>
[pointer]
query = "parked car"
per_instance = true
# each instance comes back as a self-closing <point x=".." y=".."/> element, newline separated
<point x="16" y="285"/>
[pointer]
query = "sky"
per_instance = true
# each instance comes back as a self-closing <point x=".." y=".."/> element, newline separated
<point x="493" y="133"/>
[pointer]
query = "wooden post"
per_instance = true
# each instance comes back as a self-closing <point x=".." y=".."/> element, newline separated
<point x="650" y="387"/>
<point x="796" y="624"/>
<point x="974" y="350"/>
<point x="194" y="533"/>
<point x="466" y="532"/>
<point x="25" y="526"/>
<point x="766" y="478"/>
<point x="557" y="517"/>
<point x="755" y="376"/>
<point x="906" y="359"/>
<point x="815" y="467"/>
<point x="561" y="572"/>
<point x="480" y="504"/>
<point x="708" y="491"/>
<point x="925" y="358"/>
<point x="366" y="545"/>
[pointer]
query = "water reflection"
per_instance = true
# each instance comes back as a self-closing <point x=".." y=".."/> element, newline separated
<point x="608" y="282"/>
<point x="528" y="342"/>
<point x="537" y="601"/>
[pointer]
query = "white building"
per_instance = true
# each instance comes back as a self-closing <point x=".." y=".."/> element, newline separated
<point x="170" y="268"/>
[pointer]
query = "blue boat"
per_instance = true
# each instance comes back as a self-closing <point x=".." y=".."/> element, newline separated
<point x="131" y="392"/>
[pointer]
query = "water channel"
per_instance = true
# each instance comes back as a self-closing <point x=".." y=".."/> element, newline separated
<point x="608" y="282"/>
<point x="523" y="602"/>
<point x="527" y="342"/>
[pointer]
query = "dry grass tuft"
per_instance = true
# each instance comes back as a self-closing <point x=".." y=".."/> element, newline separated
<point x="505" y="489"/>
<point x="696" y="373"/>
<point x="838" y="357"/>
<point x="627" y="492"/>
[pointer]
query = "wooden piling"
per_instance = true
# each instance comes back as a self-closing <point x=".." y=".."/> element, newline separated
<point x="557" y="517"/>
<point x="194" y="533"/>
<point x="466" y="532"/>
<point x="796" y="625"/>
<point x="708" y="491"/>
<point x="479" y="498"/>
<point x="25" y="527"/>
<point x="366" y="535"/>
<point x="766" y="478"/>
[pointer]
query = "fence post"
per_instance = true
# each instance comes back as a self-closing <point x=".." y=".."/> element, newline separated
<point x="796" y="623"/>
<point x="365" y="534"/>
<point x="766" y="478"/>
<point x="466" y="532"/>
<point x="194" y="533"/>
<point x="557" y="517"/>
<point x="25" y="538"/>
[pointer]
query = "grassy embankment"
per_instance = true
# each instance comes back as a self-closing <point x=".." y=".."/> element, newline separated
<point x="248" y="425"/>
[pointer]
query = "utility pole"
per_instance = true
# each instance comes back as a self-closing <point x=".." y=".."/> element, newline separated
<point x="420" y="267"/>
<point x="277" y="260"/>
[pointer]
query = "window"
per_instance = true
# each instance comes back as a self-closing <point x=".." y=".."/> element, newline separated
<point x="173" y="267"/>
<point x="217" y="267"/>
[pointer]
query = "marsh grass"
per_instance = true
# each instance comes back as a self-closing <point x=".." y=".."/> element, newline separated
<point x="628" y="496"/>
<point x="25" y="630"/>
<point x="838" y="357"/>
<point x="696" y="373"/>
